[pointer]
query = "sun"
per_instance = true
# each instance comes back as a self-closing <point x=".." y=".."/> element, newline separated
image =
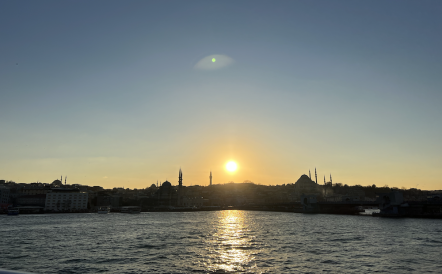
<point x="231" y="166"/>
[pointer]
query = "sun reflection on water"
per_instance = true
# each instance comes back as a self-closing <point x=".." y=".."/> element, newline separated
<point x="232" y="243"/>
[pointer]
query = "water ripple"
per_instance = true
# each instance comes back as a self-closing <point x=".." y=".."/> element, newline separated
<point x="218" y="242"/>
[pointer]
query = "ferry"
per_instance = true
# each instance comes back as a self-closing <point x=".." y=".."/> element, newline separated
<point x="13" y="211"/>
<point x="131" y="209"/>
<point x="103" y="210"/>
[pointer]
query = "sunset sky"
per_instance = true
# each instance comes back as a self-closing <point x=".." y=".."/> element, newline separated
<point x="125" y="93"/>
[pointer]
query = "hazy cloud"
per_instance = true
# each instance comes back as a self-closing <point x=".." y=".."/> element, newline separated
<point x="215" y="61"/>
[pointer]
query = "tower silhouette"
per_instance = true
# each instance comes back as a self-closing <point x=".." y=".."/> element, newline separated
<point x="309" y="174"/>
<point x="180" y="178"/>
<point x="331" y="182"/>
<point x="210" y="177"/>
<point x="316" y="176"/>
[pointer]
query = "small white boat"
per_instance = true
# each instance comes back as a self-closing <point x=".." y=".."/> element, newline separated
<point x="103" y="210"/>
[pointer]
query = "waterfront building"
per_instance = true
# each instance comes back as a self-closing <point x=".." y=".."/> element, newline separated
<point x="31" y="200"/>
<point x="172" y="196"/>
<point x="166" y="195"/>
<point x="114" y="201"/>
<point x="4" y="195"/>
<point x="64" y="199"/>
<point x="35" y="190"/>
<point x="192" y="201"/>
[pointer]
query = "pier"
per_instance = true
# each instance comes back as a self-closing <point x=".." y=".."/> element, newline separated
<point x="390" y="204"/>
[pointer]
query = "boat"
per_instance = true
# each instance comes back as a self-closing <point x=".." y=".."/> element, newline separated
<point x="103" y="210"/>
<point x="13" y="211"/>
<point x="131" y="209"/>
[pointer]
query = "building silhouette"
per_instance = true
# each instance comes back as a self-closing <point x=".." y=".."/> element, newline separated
<point x="305" y="186"/>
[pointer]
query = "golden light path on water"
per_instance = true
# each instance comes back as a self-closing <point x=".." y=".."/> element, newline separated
<point x="230" y="247"/>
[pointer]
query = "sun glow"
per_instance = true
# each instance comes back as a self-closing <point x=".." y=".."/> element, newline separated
<point x="231" y="166"/>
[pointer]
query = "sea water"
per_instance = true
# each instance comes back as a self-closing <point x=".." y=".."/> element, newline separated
<point x="219" y="242"/>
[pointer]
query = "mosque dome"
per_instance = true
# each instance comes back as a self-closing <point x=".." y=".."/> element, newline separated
<point x="304" y="179"/>
<point x="57" y="183"/>
<point x="166" y="184"/>
<point x="306" y="185"/>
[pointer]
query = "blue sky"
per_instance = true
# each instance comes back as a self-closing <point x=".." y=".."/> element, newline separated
<point x="106" y="92"/>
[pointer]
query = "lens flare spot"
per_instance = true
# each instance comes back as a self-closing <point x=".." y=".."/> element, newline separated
<point x="214" y="62"/>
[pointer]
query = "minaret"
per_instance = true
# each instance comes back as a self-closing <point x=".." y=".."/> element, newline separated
<point x="316" y="176"/>
<point x="324" y="179"/>
<point x="180" y="178"/>
<point x="331" y="179"/>
<point x="309" y="174"/>
<point x="61" y="179"/>
<point x="65" y="179"/>
<point x="210" y="177"/>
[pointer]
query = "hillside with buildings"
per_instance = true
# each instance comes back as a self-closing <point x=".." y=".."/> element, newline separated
<point x="62" y="197"/>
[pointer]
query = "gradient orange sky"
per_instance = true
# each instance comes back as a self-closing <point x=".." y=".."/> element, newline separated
<point x="124" y="94"/>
